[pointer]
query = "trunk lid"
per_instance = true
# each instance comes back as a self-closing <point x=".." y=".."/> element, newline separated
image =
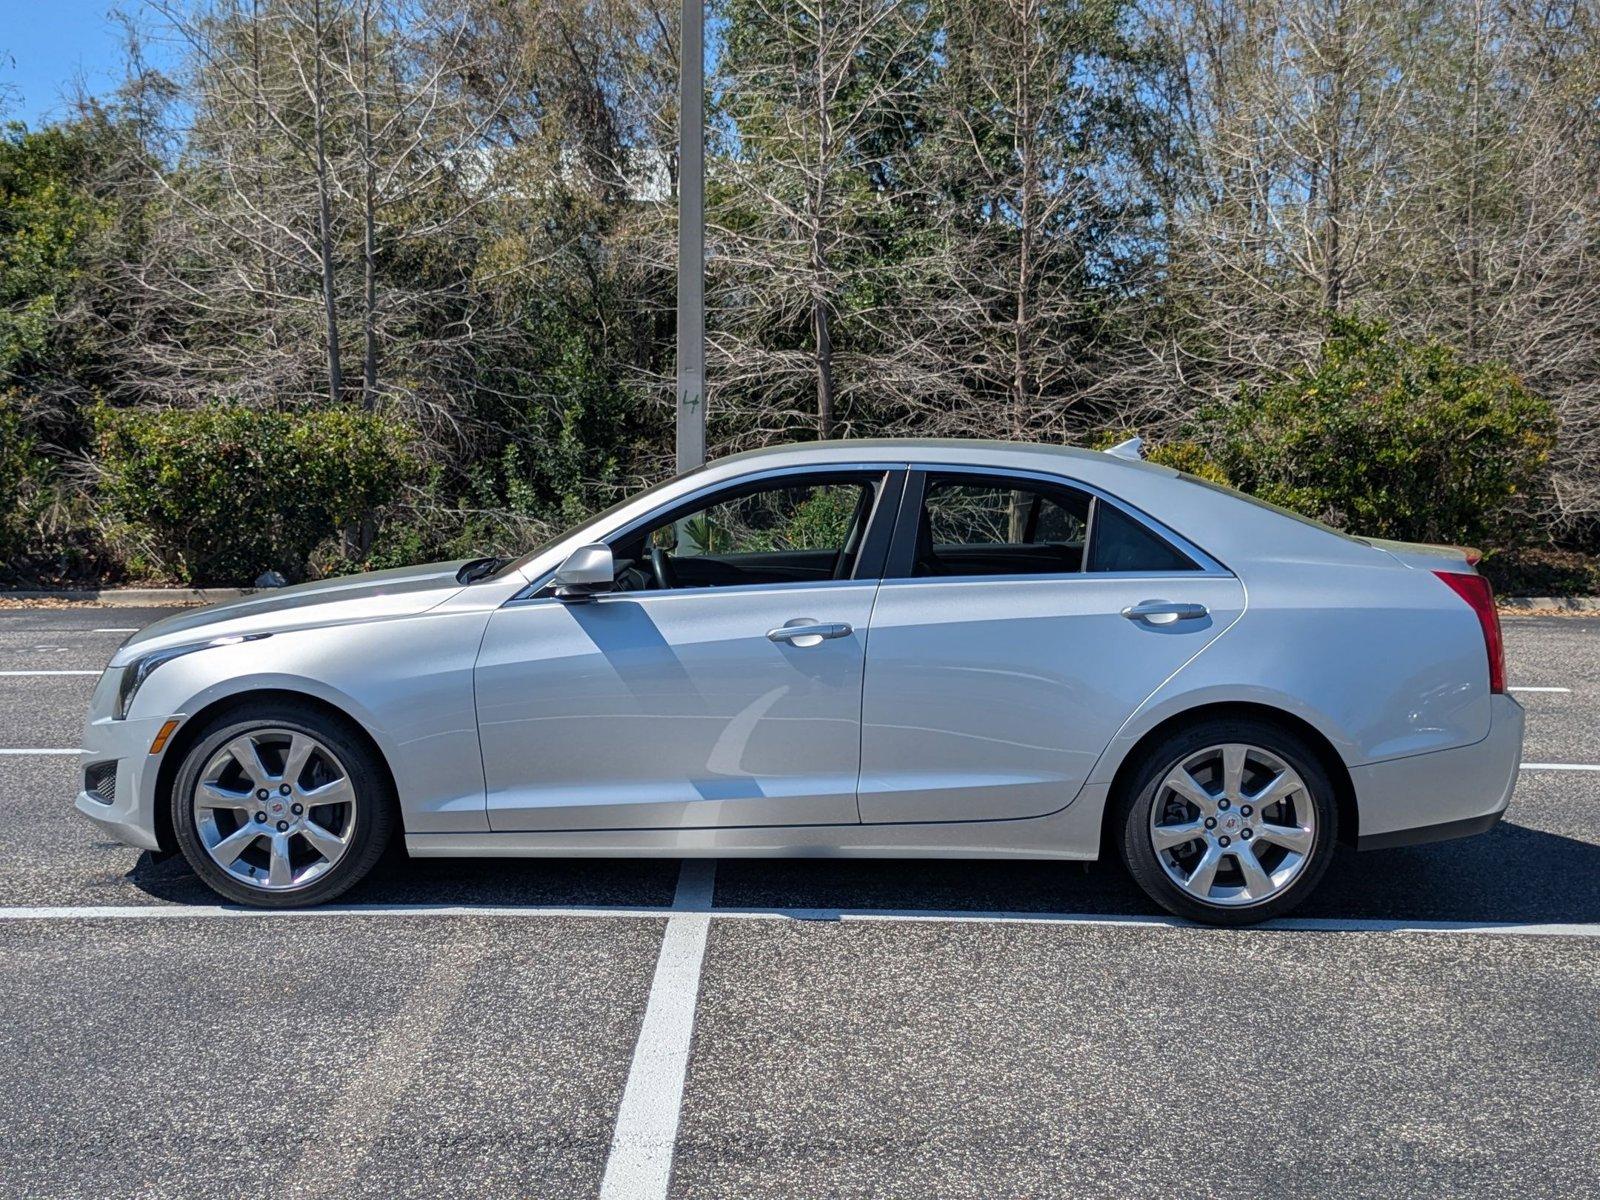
<point x="1426" y="556"/>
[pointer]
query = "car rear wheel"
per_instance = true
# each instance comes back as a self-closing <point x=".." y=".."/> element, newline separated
<point x="1229" y="822"/>
<point x="280" y="806"/>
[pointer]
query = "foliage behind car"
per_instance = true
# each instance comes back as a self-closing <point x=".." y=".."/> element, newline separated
<point x="217" y="494"/>
<point x="1391" y="438"/>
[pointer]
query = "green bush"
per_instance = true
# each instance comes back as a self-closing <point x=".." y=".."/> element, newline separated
<point x="1390" y="438"/>
<point x="40" y="514"/>
<point x="497" y="513"/>
<point x="18" y="465"/>
<point x="221" y="493"/>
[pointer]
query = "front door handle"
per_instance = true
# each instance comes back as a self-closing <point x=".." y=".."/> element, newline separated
<point x="805" y="632"/>
<point x="1164" y="612"/>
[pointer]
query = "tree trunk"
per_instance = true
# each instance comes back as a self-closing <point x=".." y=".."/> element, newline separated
<point x="369" y="259"/>
<point x="325" y="217"/>
<point x="819" y="323"/>
<point x="1025" y="220"/>
<point x="821" y="332"/>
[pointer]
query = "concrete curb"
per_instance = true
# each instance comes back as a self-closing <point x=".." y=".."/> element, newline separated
<point x="1558" y="603"/>
<point x="133" y="597"/>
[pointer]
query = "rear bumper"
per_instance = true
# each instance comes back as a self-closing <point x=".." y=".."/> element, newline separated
<point x="1445" y="794"/>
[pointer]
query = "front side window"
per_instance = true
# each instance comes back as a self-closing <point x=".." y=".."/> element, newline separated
<point x="791" y="532"/>
<point x="1002" y="525"/>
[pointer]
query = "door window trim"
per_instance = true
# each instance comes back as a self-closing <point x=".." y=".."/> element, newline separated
<point x="902" y="551"/>
<point x="871" y="559"/>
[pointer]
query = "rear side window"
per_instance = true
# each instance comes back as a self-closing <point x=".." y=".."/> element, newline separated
<point x="1120" y="543"/>
<point x="976" y="526"/>
<point x="973" y="525"/>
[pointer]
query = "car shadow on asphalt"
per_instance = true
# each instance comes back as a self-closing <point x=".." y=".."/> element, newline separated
<point x="1511" y="873"/>
<point x="466" y="881"/>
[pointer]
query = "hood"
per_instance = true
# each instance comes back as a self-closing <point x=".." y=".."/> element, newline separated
<point x="401" y="592"/>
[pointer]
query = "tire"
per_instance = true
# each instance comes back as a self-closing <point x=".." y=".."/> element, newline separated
<point x="1289" y="841"/>
<point x="236" y="821"/>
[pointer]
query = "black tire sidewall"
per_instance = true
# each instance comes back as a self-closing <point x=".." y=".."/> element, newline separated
<point x="1133" y="818"/>
<point x="374" y="801"/>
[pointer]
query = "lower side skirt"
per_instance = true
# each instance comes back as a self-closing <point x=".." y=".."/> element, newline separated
<point x="1072" y="834"/>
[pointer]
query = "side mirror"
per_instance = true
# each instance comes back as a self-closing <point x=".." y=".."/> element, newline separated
<point x="588" y="570"/>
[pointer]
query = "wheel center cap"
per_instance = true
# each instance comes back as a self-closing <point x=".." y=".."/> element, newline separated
<point x="277" y="807"/>
<point x="1231" y="823"/>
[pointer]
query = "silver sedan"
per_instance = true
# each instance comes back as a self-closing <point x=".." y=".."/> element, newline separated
<point x="868" y="648"/>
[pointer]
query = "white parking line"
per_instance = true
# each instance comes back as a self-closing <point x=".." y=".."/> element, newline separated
<point x="1561" y="766"/>
<point x="36" y="751"/>
<point x="640" y="1163"/>
<point x="1538" y="689"/>
<point x="13" y="674"/>
<point x="181" y="912"/>
<point x="117" y="629"/>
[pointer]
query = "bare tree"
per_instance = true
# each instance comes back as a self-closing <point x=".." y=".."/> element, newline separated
<point x="1020" y="172"/>
<point x="814" y="93"/>
<point x="1283" y="189"/>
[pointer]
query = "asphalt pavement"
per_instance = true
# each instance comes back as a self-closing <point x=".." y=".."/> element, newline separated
<point x="475" y="1028"/>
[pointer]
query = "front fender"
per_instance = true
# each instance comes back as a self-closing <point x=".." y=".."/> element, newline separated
<point x="407" y="682"/>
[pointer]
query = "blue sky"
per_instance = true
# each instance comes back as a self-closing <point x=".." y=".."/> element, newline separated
<point x="47" y="44"/>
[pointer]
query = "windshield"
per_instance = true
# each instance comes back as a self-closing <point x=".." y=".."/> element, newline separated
<point x="599" y="518"/>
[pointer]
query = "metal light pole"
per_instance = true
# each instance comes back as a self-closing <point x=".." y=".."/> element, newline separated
<point x="691" y="239"/>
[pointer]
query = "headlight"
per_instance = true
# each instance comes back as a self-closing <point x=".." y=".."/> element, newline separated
<point x="140" y="669"/>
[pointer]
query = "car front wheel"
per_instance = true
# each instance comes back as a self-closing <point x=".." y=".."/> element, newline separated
<point x="279" y="806"/>
<point x="1229" y="822"/>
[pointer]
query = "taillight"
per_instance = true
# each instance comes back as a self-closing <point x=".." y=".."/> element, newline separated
<point x="1475" y="590"/>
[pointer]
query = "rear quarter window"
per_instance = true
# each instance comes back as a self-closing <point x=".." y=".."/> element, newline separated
<point x="1119" y="543"/>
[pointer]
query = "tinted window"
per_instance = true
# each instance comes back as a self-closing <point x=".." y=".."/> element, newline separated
<point x="788" y="533"/>
<point x="776" y="521"/>
<point x="1122" y="544"/>
<point x="976" y="526"/>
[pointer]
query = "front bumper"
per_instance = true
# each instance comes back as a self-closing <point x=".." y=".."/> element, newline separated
<point x="1445" y="794"/>
<point x="130" y="814"/>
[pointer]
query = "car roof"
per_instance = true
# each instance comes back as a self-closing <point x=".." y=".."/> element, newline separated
<point x="960" y="450"/>
<point x="1094" y="467"/>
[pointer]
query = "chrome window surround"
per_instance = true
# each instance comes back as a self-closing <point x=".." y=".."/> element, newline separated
<point x="1206" y="564"/>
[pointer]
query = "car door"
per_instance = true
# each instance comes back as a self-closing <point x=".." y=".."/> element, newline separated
<point x="719" y="685"/>
<point x="1021" y="620"/>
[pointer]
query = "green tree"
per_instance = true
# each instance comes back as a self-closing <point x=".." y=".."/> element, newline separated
<point x="48" y="219"/>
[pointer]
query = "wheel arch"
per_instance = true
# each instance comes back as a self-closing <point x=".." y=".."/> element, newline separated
<point x="189" y="732"/>
<point x="1327" y="757"/>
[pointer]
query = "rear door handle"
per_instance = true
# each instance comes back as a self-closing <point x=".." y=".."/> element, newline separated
<point x="1164" y="612"/>
<point x="803" y="632"/>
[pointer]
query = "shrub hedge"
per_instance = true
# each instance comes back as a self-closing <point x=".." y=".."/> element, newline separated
<point x="1390" y="438"/>
<point x="16" y="461"/>
<point x="221" y="493"/>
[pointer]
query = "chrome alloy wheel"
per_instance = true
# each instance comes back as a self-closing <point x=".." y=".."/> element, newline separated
<point x="1232" y="825"/>
<point x="275" y="809"/>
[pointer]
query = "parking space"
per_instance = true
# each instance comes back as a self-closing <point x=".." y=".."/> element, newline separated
<point x="1095" y="1049"/>
<point x="357" y="1057"/>
<point x="1025" y="1060"/>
